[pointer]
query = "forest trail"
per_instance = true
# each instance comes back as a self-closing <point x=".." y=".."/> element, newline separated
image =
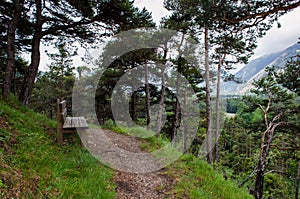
<point x="120" y="150"/>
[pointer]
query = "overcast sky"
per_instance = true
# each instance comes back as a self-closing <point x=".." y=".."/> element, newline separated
<point x="276" y="39"/>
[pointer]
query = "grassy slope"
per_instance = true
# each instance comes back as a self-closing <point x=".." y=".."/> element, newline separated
<point x="33" y="166"/>
<point x="195" y="178"/>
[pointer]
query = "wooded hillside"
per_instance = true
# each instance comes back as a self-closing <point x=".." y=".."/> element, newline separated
<point x="159" y="84"/>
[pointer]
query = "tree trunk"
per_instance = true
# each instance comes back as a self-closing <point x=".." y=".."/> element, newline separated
<point x="176" y="119"/>
<point x="297" y="182"/>
<point x="133" y="106"/>
<point x="177" y="104"/>
<point x="185" y="148"/>
<point x="208" y="102"/>
<point x="259" y="181"/>
<point x="35" y="57"/>
<point x="161" y="102"/>
<point x="11" y="36"/>
<point x="162" y="94"/>
<point x="147" y="97"/>
<point x="263" y="154"/>
<point x="216" y="148"/>
<point x="134" y="99"/>
<point x="79" y="74"/>
<point x="62" y="70"/>
<point x="216" y="152"/>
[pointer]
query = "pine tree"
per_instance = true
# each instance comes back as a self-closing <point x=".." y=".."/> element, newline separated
<point x="15" y="16"/>
<point x="57" y="83"/>
<point x="78" y="20"/>
<point x="276" y="104"/>
<point x="208" y="18"/>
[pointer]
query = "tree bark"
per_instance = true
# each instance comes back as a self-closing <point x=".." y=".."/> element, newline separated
<point x="162" y="94"/>
<point x="264" y="151"/>
<point x="176" y="119"/>
<point x="216" y="152"/>
<point x="297" y="181"/>
<point x="208" y="102"/>
<point x="216" y="148"/>
<point x="133" y="106"/>
<point x="161" y="102"/>
<point x="147" y="98"/>
<point x="178" y="94"/>
<point x="266" y="140"/>
<point x="35" y="57"/>
<point x="11" y="36"/>
<point x="259" y="181"/>
<point x="185" y="148"/>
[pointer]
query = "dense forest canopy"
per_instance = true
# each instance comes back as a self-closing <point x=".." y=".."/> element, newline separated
<point x="257" y="144"/>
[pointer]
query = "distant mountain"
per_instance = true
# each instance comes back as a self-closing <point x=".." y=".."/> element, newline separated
<point x="256" y="69"/>
<point x="255" y="66"/>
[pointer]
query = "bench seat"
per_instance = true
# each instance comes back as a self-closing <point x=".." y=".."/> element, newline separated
<point x="68" y="124"/>
<point x="75" y="123"/>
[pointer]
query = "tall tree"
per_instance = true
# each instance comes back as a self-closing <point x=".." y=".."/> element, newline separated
<point x="276" y="104"/>
<point x="291" y="72"/>
<point x="55" y="83"/>
<point x="62" y="61"/>
<point x="232" y="45"/>
<point x="35" y="55"/>
<point x="185" y="53"/>
<point x="11" y="53"/>
<point x="205" y="16"/>
<point x="163" y="58"/>
<point x="207" y="100"/>
<point x="83" y="21"/>
<point x="147" y="91"/>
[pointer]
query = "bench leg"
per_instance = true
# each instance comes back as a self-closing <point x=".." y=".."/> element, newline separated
<point x="60" y="137"/>
<point x="82" y="136"/>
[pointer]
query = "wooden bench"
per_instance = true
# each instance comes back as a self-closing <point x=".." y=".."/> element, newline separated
<point x="67" y="124"/>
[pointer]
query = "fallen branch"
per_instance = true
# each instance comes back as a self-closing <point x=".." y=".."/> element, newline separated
<point x="275" y="171"/>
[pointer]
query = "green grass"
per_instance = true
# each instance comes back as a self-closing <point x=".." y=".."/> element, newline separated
<point x="137" y="131"/>
<point x="32" y="165"/>
<point x="150" y="142"/>
<point x="194" y="177"/>
<point x="197" y="179"/>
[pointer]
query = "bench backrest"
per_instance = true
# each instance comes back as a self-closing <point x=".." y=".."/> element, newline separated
<point x="62" y="110"/>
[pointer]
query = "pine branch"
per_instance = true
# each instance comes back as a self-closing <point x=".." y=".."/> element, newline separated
<point x="263" y="14"/>
<point x="54" y="29"/>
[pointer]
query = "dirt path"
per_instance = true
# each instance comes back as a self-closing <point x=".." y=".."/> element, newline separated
<point x="124" y="154"/>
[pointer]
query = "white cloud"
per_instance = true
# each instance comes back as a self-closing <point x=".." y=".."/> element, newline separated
<point x="275" y="40"/>
<point x="156" y="7"/>
<point x="278" y="39"/>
